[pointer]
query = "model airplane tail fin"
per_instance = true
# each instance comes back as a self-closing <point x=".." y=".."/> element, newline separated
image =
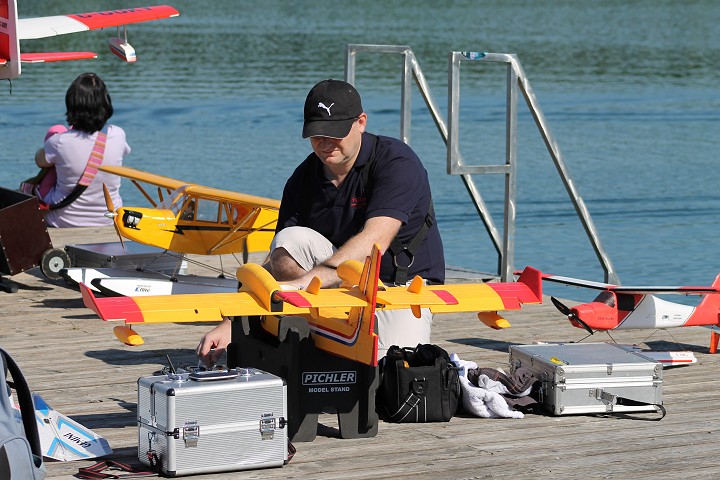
<point x="9" y="41"/>
<point x="369" y="281"/>
<point x="533" y="279"/>
<point x="706" y="313"/>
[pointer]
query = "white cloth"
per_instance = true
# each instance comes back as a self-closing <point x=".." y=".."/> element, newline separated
<point x="69" y="151"/>
<point x="493" y="385"/>
<point x="482" y="402"/>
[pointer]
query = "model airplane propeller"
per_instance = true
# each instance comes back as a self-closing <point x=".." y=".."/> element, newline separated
<point x="341" y="320"/>
<point x="636" y="307"/>
<point x="12" y="30"/>
<point x="567" y="311"/>
<point x="111" y="213"/>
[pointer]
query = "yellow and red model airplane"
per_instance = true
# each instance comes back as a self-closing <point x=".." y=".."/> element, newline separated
<point x="193" y="219"/>
<point x="341" y="320"/>
<point x="12" y="30"/>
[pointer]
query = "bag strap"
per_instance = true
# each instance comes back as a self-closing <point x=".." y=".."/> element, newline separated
<point x="27" y="408"/>
<point x="416" y="395"/>
<point x="97" y="154"/>
<point x="396" y="247"/>
<point x="97" y="470"/>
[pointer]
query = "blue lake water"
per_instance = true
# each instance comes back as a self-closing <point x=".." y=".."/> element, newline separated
<point x="630" y="91"/>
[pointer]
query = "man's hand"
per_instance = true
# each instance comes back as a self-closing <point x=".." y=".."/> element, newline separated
<point x="213" y="344"/>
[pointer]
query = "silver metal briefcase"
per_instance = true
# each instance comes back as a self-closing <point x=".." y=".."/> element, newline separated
<point x="591" y="377"/>
<point x="212" y="421"/>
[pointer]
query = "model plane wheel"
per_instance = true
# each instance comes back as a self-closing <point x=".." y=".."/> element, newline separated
<point x="53" y="261"/>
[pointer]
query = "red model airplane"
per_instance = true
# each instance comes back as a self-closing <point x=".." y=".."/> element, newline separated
<point x="12" y="30"/>
<point x="626" y="307"/>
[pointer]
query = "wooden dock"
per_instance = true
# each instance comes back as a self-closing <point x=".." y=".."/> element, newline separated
<point x="73" y="360"/>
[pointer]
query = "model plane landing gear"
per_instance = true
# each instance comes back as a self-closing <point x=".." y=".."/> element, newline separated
<point x="52" y="261"/>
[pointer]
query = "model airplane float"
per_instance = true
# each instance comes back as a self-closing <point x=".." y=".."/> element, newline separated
<point x="341" y="320"/>
<point x="627" y="307"/>
<point x="12" y="30"/>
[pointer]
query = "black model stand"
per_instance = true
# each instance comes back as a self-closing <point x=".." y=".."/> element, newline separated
<point x="317" y="381"/>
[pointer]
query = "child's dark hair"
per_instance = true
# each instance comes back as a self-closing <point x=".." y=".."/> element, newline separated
<point x="88" y="103"/>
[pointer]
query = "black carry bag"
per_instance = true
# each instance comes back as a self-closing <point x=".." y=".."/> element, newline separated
<point x="419" y="385"/>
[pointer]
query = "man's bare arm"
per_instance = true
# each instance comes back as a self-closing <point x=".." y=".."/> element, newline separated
<point x="380" y="230"/>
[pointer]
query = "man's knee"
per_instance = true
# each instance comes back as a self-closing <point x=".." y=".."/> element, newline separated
<point x="283" y="266"/>
<point x="401" y="328"/>
<point x="306" y="247"/>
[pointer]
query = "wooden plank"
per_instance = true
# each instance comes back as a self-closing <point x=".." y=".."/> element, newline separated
<point x="72" y="358"/>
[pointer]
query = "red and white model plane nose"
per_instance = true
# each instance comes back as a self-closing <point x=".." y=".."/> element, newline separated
<point x="596" y="315"/>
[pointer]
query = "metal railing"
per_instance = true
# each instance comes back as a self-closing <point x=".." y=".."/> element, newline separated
<point x="516" y="78"/>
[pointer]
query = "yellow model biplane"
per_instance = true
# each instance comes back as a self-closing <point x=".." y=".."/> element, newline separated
<point x="193" y="219"/>
<point x="341" y="320"/>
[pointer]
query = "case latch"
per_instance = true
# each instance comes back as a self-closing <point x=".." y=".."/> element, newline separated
<point x="268" y="424"/>
<point x="605" y="397"/>
<point x="191" y="434"/>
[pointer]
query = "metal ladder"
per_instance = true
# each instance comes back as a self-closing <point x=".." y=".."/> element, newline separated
<point x="516" y="78"/>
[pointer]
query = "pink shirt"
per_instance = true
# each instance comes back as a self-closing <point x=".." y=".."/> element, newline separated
<point x="69" y="152"/>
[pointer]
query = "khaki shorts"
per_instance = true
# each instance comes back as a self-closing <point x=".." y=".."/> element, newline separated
<point x="393" y="327"/>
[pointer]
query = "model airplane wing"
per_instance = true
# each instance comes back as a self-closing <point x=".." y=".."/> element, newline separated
<point x="256" y="297"/>
<point x="134" y="175"/>
<point x="472" y="297"/>
<point x="630" y="289"/>
<point x="56" y="56"/>
<point x="62" y="438"/>
<point x="170" y="184"/>
<point x="43" y="27"/>
<point x="174" y="308"/>
<point x="178" y="285"/>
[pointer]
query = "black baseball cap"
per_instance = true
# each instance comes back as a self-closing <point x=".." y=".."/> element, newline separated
<point x="331" y="107"/>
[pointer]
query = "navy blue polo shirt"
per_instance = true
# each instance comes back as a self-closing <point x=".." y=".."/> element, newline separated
<point x="397" y="187"/>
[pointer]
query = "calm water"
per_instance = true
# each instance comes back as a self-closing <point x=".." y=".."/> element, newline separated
<point x="630" y="91"/>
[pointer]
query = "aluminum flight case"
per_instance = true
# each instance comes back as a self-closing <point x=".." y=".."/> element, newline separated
<point x="579" y="378"/>
<point x="125" y="256"/>
<point x="214" y="421"/>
